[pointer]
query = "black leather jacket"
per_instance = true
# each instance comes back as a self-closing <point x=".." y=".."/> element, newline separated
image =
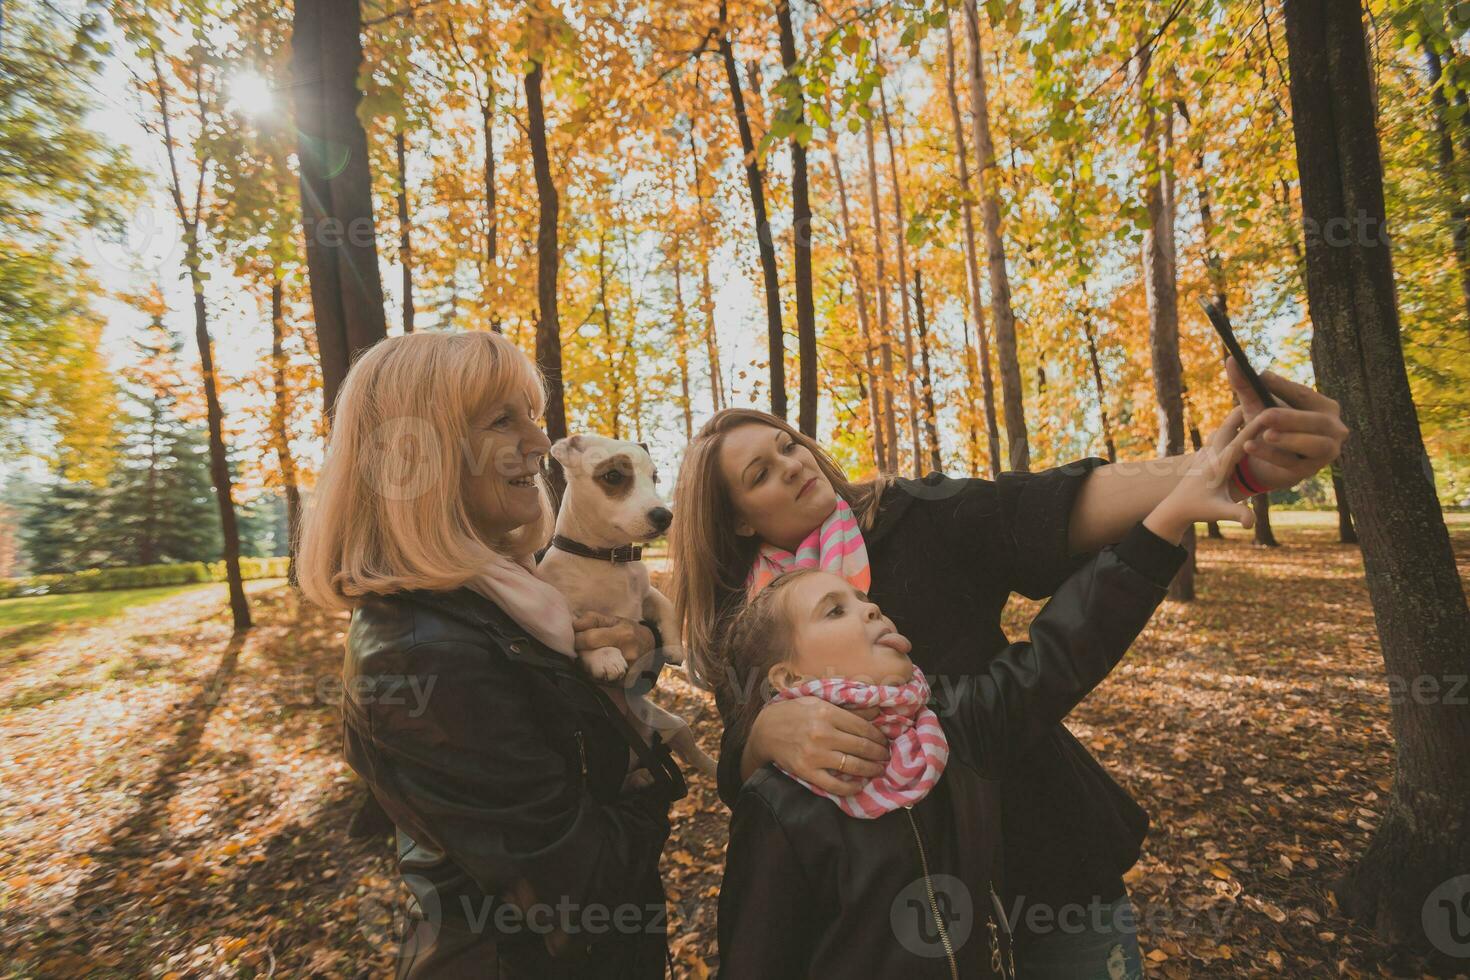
<point x="812" y="892"/>
<point x="500" y="763"/>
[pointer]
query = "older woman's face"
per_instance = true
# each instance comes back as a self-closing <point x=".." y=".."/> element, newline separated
<point x="504" y="455"/>
<point x="779" y="493"/>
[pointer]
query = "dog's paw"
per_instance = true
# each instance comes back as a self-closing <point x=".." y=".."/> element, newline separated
<point x="605" y="664"/>
<point x="637" y="779"/>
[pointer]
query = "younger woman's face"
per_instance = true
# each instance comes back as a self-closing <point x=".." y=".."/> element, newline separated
<point x="779" y="493"/>
<point x="503" y="456"/>
<point x="837" y="632"/>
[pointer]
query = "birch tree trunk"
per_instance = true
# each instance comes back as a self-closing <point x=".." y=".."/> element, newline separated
<point x="880" y="286"/>
<point x="972" y="263"/>
<point x="860" y="291"/>
<point x="1161" y="290"/>
<point x="901" y="246"/>
<point x="1018" y="445"/>
<point x="775" y="340"/>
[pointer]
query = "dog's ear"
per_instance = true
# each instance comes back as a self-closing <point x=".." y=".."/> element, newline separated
<point x="644" y="446"/>
<point x="562" y="449"/>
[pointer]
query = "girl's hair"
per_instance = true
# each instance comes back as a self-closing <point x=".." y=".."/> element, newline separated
<point x="389" y="511"/>
<point x="758" y="638"/>
<point x="710" y="561"/>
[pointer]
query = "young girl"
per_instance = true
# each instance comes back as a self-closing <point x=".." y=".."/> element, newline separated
<point x="902" y="878"/>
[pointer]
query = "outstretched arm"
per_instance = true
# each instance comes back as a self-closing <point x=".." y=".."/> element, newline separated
<point x="1286" y="445"/>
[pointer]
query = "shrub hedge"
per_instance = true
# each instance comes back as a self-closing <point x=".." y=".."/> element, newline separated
<point x="138" y="577"/>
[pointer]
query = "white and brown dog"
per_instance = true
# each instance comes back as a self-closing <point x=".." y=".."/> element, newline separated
<point x="611" y="506"/>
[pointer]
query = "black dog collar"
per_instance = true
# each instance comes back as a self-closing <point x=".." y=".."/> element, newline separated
<point x="618" y="556"/>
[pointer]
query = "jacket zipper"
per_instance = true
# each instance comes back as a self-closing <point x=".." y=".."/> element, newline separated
<point x="954" y="969"/>
<point x="582" y="753"/>
<point x="1005" y="924"/>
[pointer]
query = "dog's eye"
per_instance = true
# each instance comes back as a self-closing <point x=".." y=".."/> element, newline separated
<point x="613" y="477"/>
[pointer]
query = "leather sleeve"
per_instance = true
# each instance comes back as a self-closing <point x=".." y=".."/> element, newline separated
<point x="1076" y="640"/>
<point x="471" y="763"/>
<point x="1013" y="529"/>
<point x="764" y="932"/>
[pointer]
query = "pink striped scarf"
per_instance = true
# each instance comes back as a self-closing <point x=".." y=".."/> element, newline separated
<point x="918" y="747"/>
<point x="837" y="546"/>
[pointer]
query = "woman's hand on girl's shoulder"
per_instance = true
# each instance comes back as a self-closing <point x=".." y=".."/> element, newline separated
<point x="835" y="749"/>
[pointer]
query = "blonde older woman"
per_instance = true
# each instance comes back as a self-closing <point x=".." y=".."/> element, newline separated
<point x="497" y="760"/>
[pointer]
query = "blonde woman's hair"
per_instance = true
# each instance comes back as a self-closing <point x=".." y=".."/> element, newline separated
<point x="389" y="511"/>
<point x="710" y="561"/>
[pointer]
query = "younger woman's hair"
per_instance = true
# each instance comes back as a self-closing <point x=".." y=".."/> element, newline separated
<point x="389" y="511"/>
<point x="758" y="638"/>
<point x="710" y="561"/>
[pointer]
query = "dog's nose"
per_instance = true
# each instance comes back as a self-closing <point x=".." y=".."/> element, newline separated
<point x="661" y="518"/>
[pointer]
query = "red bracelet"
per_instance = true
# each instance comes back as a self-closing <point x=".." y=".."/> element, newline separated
<point x="1246" y="479"/>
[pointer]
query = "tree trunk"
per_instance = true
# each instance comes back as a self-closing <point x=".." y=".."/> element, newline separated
<point x="1213" y="527"/>
<point x="405" y="244"/>
<point x="613" y="367"/>
<point x="706" y="288"/>
<point x="548" y="262"/>
<point x="280" y="416"/>
<point x="1398" y="888"/>
<point x="492" y="217"/>
<point x="1162" y="293"/>
<point x="880" y="285"/>
<point x="1097" y="383"/>
<point x="1019" y="453"/>
<point x="900" y="235"/>
<point x="1346" y="532"/>
<point x="801" y="224"/>
<point x="1453" y="194"/>
<point x="681" y="350"/>
<point x="972" y="262"/>
<point x="219" y="464"/>
<point x="775" y="341"/>
<point x="336" y="187"/>
<point x="1264" y="536"/>
<point x="875" y="414"/>
<point x="931" y="425"/>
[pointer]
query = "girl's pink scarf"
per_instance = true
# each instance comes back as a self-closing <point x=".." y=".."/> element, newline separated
<point x="837" y="546"/>
<point x="918" y="747"/>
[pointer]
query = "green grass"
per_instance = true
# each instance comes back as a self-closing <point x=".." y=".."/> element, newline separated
<point x="52" y="610"/>
<point x="1454" y="520"/>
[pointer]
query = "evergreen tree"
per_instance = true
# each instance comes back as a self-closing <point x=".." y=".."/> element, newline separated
<point x="60" y="529"/>
<point x="157" y="504"/>
<point x="264" y="531"/>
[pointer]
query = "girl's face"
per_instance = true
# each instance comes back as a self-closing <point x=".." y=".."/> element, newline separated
<point x="779" y="493"/>
<point x="837" y="632"/>
<point x="504" y="455"/>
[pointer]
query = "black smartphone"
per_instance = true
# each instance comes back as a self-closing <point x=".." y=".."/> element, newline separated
<point x="1221" y="323"/>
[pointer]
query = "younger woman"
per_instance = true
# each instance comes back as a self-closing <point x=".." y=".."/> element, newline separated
<point x="902" y="878"/>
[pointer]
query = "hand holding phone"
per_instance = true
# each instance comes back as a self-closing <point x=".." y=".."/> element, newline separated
<point x="1221" y="323"/>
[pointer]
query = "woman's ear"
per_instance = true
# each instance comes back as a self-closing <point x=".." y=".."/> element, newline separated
<point x="744" y="530"/>
<point x="784" y="675"/>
